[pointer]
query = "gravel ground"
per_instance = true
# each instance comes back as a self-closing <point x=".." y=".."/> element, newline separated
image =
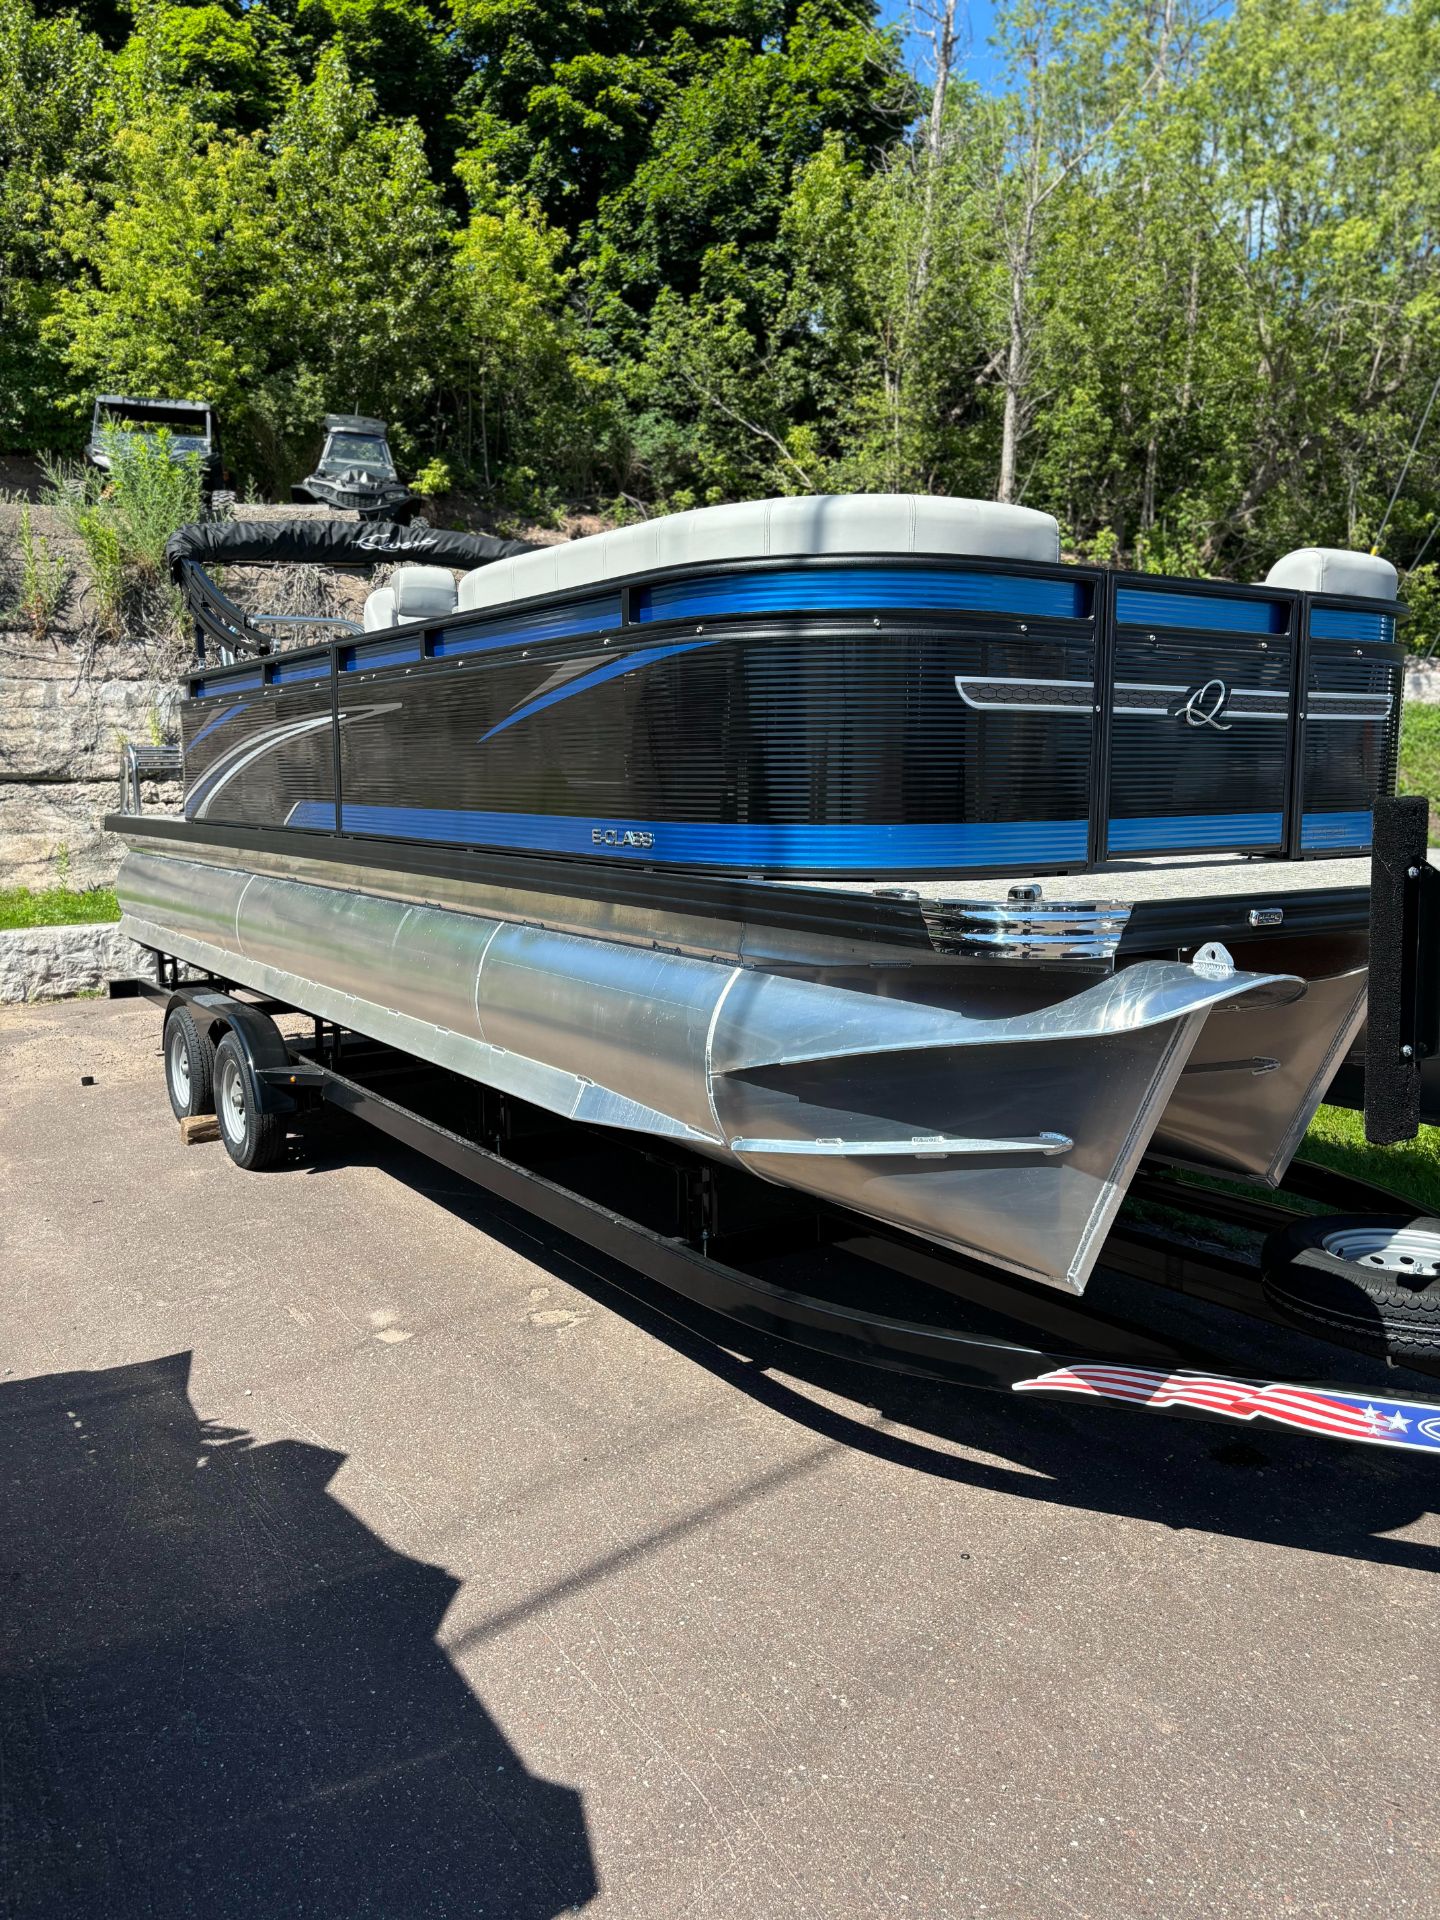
<point x="364" y="1556"/>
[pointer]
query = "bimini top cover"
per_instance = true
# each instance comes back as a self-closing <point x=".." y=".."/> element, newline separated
<point x="861" y="524"/>
<point x="1335" y="570"/>
<point x="335" y="543"/>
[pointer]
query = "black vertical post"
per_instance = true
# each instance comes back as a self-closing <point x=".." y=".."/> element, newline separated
<point x="1102" y="713"/>
<point x="335" y="733"/>
<point x="1400" y="1021"/>
<point x="1295" y="733"/>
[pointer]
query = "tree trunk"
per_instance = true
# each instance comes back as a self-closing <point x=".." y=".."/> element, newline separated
<point x="1014" y="378"/>
<point x="944" y="37"/>
<point x="1147" y="493"/>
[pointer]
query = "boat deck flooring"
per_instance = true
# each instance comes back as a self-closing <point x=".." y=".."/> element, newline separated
<point x="1191" y="877"/>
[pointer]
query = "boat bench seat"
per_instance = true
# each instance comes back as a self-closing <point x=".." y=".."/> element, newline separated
<point x="413" y="593"/>
<point x="857" y="524"/>
<point x="1335" y="570"/>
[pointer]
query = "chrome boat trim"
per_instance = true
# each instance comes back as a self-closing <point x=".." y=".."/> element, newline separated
<point x="1060" y="930"/>
<point x="917" y="1147"/>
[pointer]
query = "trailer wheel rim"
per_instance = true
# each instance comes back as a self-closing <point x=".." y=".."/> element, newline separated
<point x="1404" y="1250"/>
<point x="180" y="1067"/>
<point x="232" y="1101"/>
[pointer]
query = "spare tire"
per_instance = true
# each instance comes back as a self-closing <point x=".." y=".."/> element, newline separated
<point x="1368" y="1280"/>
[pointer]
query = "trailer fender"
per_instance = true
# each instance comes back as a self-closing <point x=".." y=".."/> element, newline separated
<point x="266" y="1054"/>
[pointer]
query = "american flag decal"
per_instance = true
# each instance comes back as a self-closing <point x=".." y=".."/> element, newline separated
<point x="1346" y="1416"/>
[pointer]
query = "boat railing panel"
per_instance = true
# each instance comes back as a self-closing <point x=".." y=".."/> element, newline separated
<point x="1189" y="717"/>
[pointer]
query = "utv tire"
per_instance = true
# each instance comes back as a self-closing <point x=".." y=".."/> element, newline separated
<point x="253" y="1140"/>
<point x="189" y="1066"/>
<point x="1367" y="1280"/>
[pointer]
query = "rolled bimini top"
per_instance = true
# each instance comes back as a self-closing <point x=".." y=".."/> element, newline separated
<point x="335" y="543"/>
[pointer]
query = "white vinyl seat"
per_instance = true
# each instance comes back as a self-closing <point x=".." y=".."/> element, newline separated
<point x="851" y="523"/>
<point x="413" y="593"/>
<point x="379" y="609"/>
<point x="1335" y="570"/>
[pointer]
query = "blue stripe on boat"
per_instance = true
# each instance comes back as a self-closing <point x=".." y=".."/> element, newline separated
<point x="1335" y="829"/>
<point x="587" y="616"/>
<point x="362" y="659"/>
<point x="1153" y="607"/>
<point x="1340" y="623"/>
<point x="303" y="670"/>
<point x="219" y="721"/>
<point x="612" y="670"/>
<point x="861" y="589"/>
<point x="242" y="683"/>
<point x="1183" y="832"/>
<point x="677" y="843"/>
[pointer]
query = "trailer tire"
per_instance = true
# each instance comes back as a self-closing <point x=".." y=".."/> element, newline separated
<point x="253" y="1140"/>
<point x="189" y="1065"/>
<point x="1369" y="1280"/>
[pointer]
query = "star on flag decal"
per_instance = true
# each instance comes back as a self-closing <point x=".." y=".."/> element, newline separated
<point x="1344" y="1416"/>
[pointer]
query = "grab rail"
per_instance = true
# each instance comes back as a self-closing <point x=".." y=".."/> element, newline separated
<point x="161" y="763"/>
<point x="217" y="617"/>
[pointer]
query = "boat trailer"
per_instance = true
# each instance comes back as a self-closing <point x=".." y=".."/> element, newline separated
<point x="764" y="1263"/>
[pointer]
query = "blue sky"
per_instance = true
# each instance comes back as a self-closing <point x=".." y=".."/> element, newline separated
<point x="979" y="63"/>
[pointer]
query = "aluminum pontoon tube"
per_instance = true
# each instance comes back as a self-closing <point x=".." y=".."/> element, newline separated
<point x="1011" y="1137"/>
<point x="1255" y="1078"/>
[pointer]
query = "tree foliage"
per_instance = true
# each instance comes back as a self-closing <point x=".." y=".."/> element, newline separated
<point x="1175" y="280"/>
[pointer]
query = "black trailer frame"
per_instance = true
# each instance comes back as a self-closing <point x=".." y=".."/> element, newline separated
<point x="779" y="1266"/>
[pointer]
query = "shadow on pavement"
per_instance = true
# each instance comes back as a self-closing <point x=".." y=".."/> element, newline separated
<point x="1288" y="1489"/>
<point x="220" y="1693"/>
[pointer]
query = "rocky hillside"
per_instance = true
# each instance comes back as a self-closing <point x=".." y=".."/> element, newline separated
<point x="72" y="694"/>
<point x="69" y="696"/>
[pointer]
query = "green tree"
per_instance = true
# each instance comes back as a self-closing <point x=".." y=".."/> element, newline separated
<point x="1324" y="179"/>
<point x="362" y="259"/>
<point x="726" y="146"/>
<point x="686" y="272"/>
<point x="181" y="285"/>
<point x="403" y="51"/>
<point x="227" y="67"/>
<point x="524" y="397"/>
<point x="108" y="20"/>
<point x="53" y="150"/>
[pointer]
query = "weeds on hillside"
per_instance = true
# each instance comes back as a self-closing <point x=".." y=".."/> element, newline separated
<point x="43" y="577"/>
<point x="123" y="519"/>
<point x="57" y="906"/>
<point x="301" y="588"/>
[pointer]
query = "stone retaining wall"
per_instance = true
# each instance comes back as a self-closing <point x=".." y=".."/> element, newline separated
<point x="49" y="963"/>
<point x="69" y="699"/>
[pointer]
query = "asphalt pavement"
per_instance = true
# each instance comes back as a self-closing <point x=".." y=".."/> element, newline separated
<point x="364" y="1553"/>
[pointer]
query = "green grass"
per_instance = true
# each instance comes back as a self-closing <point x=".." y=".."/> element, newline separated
<point x="1337" y="1139"/>
<point x="1420" y="758"/>
<point x="56" y="907"/>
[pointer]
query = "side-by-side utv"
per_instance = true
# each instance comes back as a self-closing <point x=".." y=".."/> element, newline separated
<point x="356" y="471"/>
<point x="191" y="425"/>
